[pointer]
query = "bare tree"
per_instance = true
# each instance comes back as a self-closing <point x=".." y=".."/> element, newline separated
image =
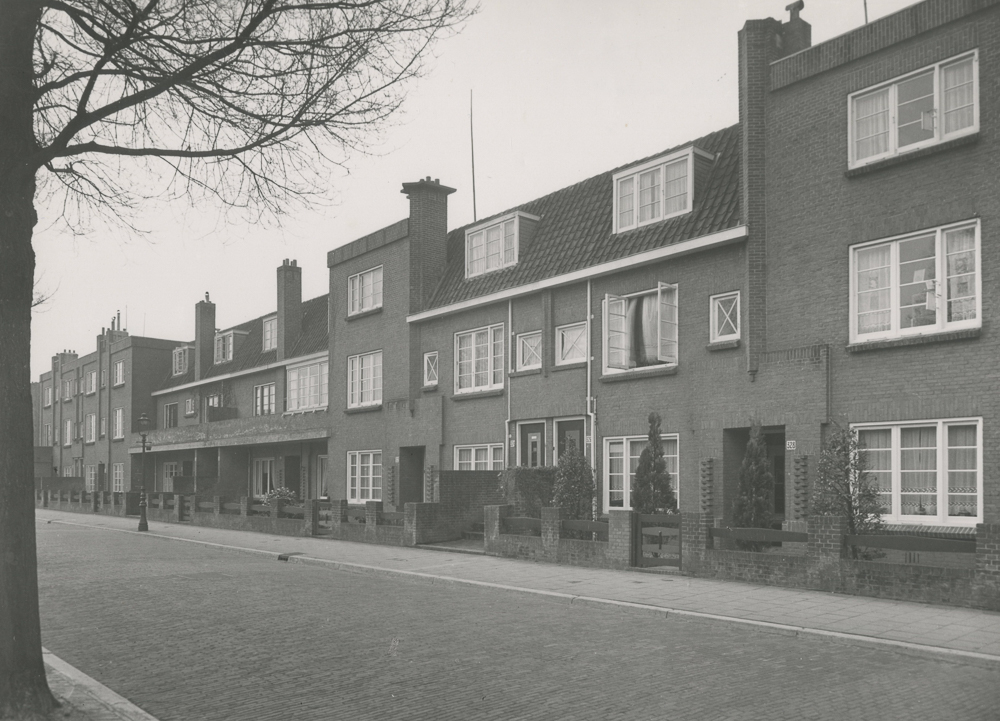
<point x="104" y="103"/>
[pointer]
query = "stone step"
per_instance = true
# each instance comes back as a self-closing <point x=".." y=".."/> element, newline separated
<point x="473" y="535"/>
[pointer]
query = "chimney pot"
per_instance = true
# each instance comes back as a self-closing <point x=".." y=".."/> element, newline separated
<point x="795" y="8"/>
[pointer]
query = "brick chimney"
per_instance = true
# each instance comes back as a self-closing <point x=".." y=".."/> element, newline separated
<point x="428" y="234"/>
<point x="796" y="34"/>
<point x="204" y="337"/>
<point x="289" y="306"/>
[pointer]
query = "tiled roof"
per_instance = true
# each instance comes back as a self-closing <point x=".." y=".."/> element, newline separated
<point x="575" y="231"/>
<point x="248" y="354"/>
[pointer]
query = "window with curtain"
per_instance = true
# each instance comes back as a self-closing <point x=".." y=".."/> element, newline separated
<point x="365" y="291"/>
<point x="364" y="476"/>
<point x="927" y="282"/>
<point x="487" y="457"/>
<point x="930" y="106"/>
<point x="640" y="330"/>
<point x="926" y="472"/>
<point x="621" y="459"/>
<point x="479" y="359"/>
<point x="653" y="191"/>
<point x="492" y="247"/>
<point x="364" y="380"/>
<point x="306" y="386"/>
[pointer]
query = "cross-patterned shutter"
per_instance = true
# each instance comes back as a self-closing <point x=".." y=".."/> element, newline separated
<point x="666" y="294"/>
<point x="616" y="332"/>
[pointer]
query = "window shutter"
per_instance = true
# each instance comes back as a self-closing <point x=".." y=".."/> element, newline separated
<point x="667" y="322"/>
<point x="616" y="332"/>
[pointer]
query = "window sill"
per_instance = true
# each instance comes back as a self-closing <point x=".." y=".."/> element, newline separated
<point x="117" y="385"/>
<point x="568" y="366"/>
<point x="477" y="394"/>
<point x="966" y="334"/>
<point x="525" y="372"/>
<point x="723" y="345"/>
<point x="637" y="374"/>
<point x="363" y="409"/>
<point x="117" y="440"/>
<point x="319" y="409"/>
<point x="429" y="388"/>
<point x="920" y="529"/>
<point x="914" y="155"/>
<point x="363" y="314"/>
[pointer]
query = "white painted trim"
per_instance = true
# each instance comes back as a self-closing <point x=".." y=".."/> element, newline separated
<point x="723" y="237"/>
<point x="555" y="435"/>
<point x="517" y="352"/>
<point x="713" y="302"/>
<point x="256" y="369"/>
<point x="517" y="439"/>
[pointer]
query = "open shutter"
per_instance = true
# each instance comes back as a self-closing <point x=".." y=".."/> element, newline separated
<point x="666" y="295"/>
<point x="616" y="332"/>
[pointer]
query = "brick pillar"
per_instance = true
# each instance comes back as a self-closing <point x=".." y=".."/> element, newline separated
<point x="622" y="527"/>
<point x="45" y="498"/>
<point x="245" y="506"/>
<point x="94" y="498"/>
<point x="551" y="520"/>
<point x="217" y="505"/>
<point x="373" y="517"/>
<point x="694" y="534"/>
<point x="277" y="510"/>
<point x="707" y="484"/>
<point x="338" y="513"/>
<point x="800" y="495"/>
<point x="493" y="518"/>
<point x="825" y="550"/>
<point x="178" y="513"/>
<point x="986" y="582"/>
<point x="310" y="525"/>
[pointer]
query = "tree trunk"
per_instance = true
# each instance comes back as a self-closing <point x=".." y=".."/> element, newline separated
<point x="24" y="691"/>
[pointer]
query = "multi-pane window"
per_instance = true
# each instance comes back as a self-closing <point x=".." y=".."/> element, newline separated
<point x="927" y="282"/>
<point x="68" y="432"/>
<point x="364" y="476"/>
<point x="170" y="415"/>
<point x="223" y="348"/>
<point x="491" y="248"/>
<point x="640" y="330"/>
<point x="47" y="435"/>
<point x="118" y="423"/>
<point x="263" y="476"/>
<point x="431" y="368"/>
<point x="929" y="106"/>
<point x="621" y="458"/>
<point x="180" y="361"/>
<point x="307" y="386"/>
<point x="68" y="471"/>
<point x="364" y="291"/>
<point x="652" y="192"/>
<point x="67" y="390"/>
<point x="170" y="470"/>
<point x="270" y="333"/>
<point x="48" y="396"/>
<point x="571" y="343"/>
<point x="926" y="471"/>
<point x="214" y="400"/>
<point x="189" y="407"/>
<point x="724" y="310"/>
<point x="263" y="399"/>
<point x="479" y="458"/>
<point x="104" y="426"/>
<point x="119" y="371"/>
<point x="529" y="351"/>
<point x="91" y="478"/>
<point x="91" y="382"/>
<point x="479" y="359"/>
<point x="364" y="380"/>
<point x="91" y="428"/>
<point x="118" y="477"/>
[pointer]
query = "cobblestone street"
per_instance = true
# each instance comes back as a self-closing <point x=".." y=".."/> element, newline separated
<point x="191" y="632"/>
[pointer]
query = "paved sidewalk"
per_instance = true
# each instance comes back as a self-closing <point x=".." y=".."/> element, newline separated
<point x="966" y="635"/>
<point x="83" y="698"/>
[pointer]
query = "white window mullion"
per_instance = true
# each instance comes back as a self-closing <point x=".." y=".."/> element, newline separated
<point x="942" y="470"/>
<point x="897" y="476"/>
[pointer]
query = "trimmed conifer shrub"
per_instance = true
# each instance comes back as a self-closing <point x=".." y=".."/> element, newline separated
<point x="755" y="495"/>
<point x="573" y="490"/>
<point x="651" y="492"/>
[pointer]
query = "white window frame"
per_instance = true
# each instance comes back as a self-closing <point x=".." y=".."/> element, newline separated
<point x="893" y="108"/>
<point x="364" y="291"/>
<point x="264" y="399"/>
<point x="942" y="518"/>
<point x="91" y="382"/>
<point x="357" y="463"/>
<point x="223" y="348"/>
<point x="315" y="395"/>
<point x="47" y="434"/>
<point x="91" y="428"/>
<point x="119" y="373"/>
<point x="171" y="469"/>
<point x="90" y="476"/>
<point x="179" y="364"/>
<point x="67" y="390"/>
<point x="118" y="423"/>
<point x="940" y="301"/>
<point x="104" y="426"/>
<point x="493" y="332"/>
<point x="166" y="414"/>
<point x="559" y="339"/>
<point x="48" y="396"/>
<point x="479" y="237"/>
<point x="68" y="471"/>
<point x="614" y="342"/>
<point x="628" y="474"/>
<point x="364" y="379"/>
<point x="713" y="306"/>
<point x="431" y="369"/>
<point x="189" y="407"/>
<point x="522" y="339"/>
<point x="494" y="457"/>
<point x="213" y="400"/>
<point x="269" y="333"/>
<point x="68" y="432"/>
<point x="260" y="488"/>
<point x="632" y="175"/>
<point x="118" y="477"/>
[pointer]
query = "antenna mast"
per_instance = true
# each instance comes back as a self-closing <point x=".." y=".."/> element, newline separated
<point x="472" y="144"/>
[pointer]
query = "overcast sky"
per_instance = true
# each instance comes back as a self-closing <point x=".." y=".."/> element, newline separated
<point x="563" y="90"/>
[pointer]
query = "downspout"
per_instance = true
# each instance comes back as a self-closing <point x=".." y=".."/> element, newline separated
<point x="591" y="403"/>
<point x="510" y="334"/>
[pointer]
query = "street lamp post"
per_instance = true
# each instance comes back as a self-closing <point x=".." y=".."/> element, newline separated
<point x="143" y="429"/>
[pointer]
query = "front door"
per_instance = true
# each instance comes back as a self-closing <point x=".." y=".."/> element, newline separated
<point x="532" y="444"/>
<point x="569" y="433"/>
<point x="411" y="474"/>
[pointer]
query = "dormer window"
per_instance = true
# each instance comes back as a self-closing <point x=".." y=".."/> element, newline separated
<point x="223" y="348"/>
<point x="270" y="333"/>
<point x="180" y="365"/>
<point x="654" y="191"/>
<point x="494" y="245"/>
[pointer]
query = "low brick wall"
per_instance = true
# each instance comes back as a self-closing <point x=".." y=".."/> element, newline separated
<point x="102" y="502"/>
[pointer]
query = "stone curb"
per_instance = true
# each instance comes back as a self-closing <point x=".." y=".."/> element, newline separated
<point x="983" y="660"/>
<point x="92" y="699"/>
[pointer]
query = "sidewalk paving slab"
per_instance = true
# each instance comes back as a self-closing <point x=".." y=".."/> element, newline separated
<point x="963" y="634"/>
<point x="84" y="699"/>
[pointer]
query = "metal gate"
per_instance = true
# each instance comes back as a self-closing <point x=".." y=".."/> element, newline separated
<point x="657" y="540"/>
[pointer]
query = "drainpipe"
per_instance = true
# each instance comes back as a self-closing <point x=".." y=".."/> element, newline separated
<point x="510" y="335"/>
<point x="591" y="403"/>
